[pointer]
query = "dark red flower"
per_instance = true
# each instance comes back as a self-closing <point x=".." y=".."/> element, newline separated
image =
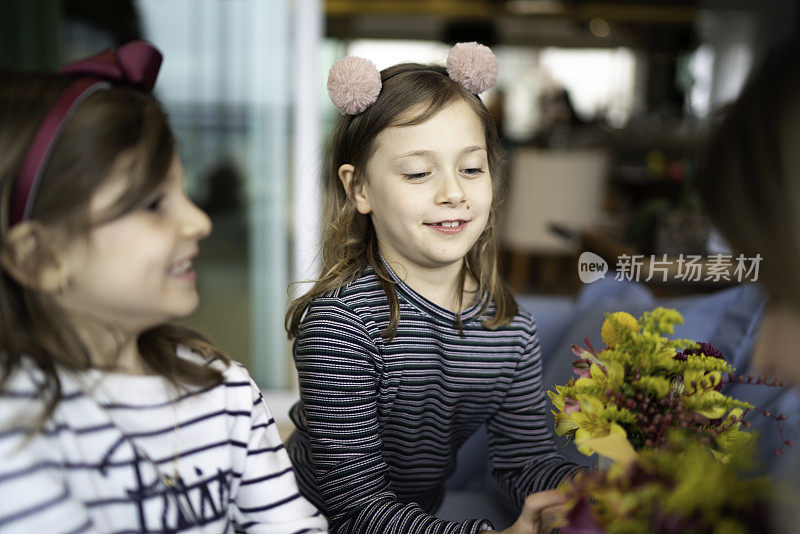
<point x="705" y="348"/>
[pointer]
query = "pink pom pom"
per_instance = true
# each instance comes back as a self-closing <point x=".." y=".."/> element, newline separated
<point x="473" y="65"/>
<point x="353" y="84"/>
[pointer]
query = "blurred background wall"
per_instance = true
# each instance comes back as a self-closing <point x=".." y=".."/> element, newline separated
<point x="602" y="106"/>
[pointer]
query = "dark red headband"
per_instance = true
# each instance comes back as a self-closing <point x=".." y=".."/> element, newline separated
<point x="135" y="64"/>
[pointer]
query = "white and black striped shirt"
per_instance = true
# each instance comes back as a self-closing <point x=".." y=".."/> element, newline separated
<point x="379" y="423"/>
<point x="91" y="469"/>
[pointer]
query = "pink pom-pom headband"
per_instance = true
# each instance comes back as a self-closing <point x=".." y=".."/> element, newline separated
<point x="354" y="83"/>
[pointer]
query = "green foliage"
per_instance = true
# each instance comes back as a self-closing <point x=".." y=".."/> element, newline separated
<point x="660" y="321"/>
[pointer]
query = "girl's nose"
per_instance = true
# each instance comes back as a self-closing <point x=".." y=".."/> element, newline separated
<point x="195" y="224"/>
<point x="450" y="191"/>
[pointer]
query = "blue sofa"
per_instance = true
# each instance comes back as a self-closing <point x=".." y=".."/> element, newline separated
<point x="728" y="319"/>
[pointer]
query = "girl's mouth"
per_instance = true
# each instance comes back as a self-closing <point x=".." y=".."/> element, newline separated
<point x="183" y="270"/>
<point x="448" y="227"/>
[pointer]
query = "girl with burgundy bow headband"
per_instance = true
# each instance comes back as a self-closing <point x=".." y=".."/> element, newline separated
<point x="410" y="341"/>
<point x="111" y="418"/>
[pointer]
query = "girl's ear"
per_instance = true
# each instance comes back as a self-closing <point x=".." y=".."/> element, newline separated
<point x="354" y="188"/>
<point x="30" y="260"/>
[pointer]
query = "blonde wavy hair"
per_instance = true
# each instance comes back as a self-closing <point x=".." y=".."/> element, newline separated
<point x="349" y="243"/>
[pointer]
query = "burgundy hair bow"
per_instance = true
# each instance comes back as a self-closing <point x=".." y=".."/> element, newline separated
<point x="135" y="64"/>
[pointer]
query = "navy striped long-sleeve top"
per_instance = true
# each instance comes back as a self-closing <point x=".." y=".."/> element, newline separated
<point x="379" y="422"/>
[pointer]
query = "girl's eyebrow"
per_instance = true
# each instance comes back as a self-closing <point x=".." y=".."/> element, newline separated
<point x="432" y="154"/>
<point x="415" y="154"/>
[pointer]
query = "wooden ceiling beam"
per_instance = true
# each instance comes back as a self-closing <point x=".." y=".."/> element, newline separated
<point x="621" y="12"/>
<point x="461" y="8"/>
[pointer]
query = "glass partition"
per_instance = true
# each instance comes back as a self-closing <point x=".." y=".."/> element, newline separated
<point x="225" y="82"/>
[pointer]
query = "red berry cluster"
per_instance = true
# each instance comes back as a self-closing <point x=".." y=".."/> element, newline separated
<point x="655" y="416"/>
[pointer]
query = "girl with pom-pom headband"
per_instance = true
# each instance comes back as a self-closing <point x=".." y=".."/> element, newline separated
<point x="409" y="340"/>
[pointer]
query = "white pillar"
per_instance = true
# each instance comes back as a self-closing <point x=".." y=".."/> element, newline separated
<point x="307" y="155"/>
<point x="268" y="116"/>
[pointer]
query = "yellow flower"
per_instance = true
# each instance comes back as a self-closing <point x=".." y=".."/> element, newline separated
<point x="728" y="441"/>
<point x="564" y="422"/>
<point x="556" y="398"/>
<point x="616" y="326"/>
<point x="701" y="379"/>
<point x="591" y="424"/>
<point x="732" y="438"/>
<point x="701" y="395"/>
<point x="617" y="448"/>
<point x="614" y="446"/>
<point x="708" y="403"/>
<point x="611" y="377"/>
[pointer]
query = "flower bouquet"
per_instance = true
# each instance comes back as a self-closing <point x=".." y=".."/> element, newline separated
<point x="676" y="489"/>
<point x="631" y="394"/>
<point x="677" y="447"/>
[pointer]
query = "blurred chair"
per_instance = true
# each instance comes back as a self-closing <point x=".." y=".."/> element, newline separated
<point x="546" y="187"/>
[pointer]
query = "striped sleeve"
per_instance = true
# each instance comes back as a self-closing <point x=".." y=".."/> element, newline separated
<point x="521" y="447"/>
<point x="268" y="499"/>
<point x="336" y="363"/>
<point x="34" y="494"/>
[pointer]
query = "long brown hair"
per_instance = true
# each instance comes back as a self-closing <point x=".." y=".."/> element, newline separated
<point x="349" y="243"/>
<point x="108" y="124"/>
<point x="750" y="174"/>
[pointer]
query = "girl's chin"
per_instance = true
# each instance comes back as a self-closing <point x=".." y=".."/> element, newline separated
<point x="451" y="258"/>
<point x="184" y="311"/>
<point x="190" y="310"/>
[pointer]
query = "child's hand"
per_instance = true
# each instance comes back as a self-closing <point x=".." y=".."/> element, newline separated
<point x="540" y="514"/>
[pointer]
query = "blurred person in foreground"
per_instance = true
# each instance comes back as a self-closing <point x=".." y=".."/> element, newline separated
<point x="750" y="187"/>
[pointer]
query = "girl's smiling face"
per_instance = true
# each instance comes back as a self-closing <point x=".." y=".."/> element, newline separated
<point x="428" y="189"/>
<point x="135" y="271"/>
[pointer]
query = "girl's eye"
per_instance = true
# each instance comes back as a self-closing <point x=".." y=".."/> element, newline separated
<point x="416" y="176"/>
<point x="154" y="204"/>
<point x="472" y="172"/>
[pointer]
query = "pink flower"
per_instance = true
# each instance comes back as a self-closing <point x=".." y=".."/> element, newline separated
<point x="571" y="405"/>
<point x="587" y="358"/>
<point x="581" y="368"/>
<point x="581" y="353"/>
